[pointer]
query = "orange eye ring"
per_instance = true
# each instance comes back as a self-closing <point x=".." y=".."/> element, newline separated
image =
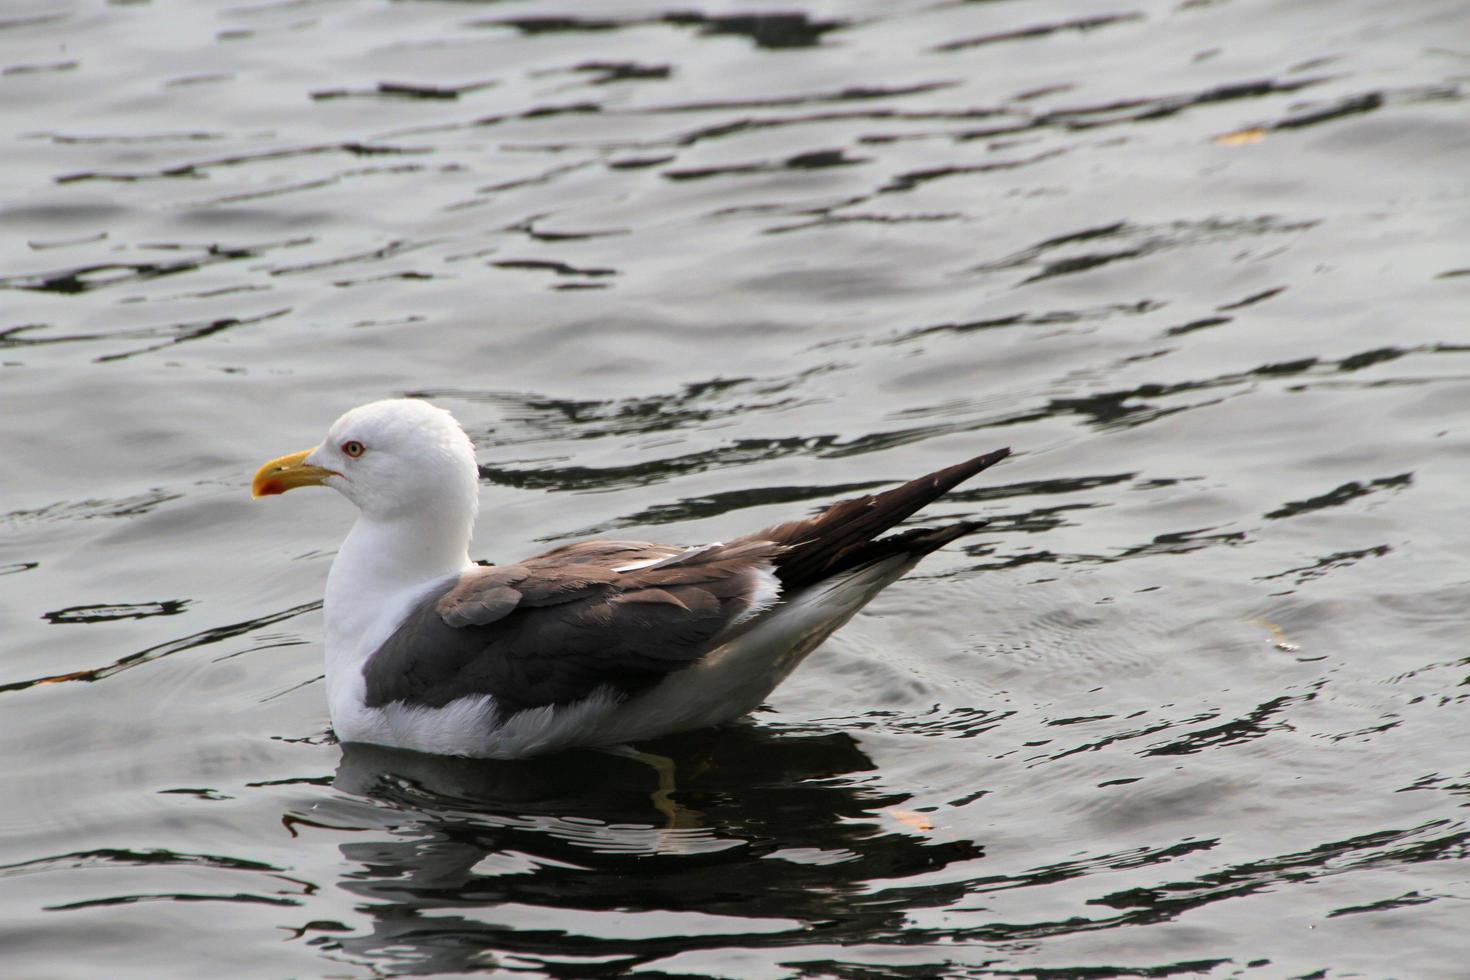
<point x="353" y="449"/>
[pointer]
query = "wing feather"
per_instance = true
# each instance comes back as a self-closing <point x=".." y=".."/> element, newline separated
<point x="553" y="629"/>
<point x="622" y="615"/>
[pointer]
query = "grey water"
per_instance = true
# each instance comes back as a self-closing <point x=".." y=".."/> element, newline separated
<point x="1196" y="703"/>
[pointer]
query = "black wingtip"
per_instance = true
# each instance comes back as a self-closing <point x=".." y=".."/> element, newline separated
<point x="940" y="536"/>
<point x="911" y="543"/>
<point x="844" y="533"/>
<point x="950" y="477"/>
<point x="985" y="460"/>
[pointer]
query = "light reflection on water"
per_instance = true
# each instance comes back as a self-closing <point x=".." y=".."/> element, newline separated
<point x="1190" y="706"/>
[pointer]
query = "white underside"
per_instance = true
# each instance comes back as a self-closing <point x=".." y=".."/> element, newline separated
<point x="728" y="682"/>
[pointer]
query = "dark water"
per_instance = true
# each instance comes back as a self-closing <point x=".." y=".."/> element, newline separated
<point x="1196" y="705"/>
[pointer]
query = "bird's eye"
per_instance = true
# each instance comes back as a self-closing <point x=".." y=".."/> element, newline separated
<point x="353" y="448"/>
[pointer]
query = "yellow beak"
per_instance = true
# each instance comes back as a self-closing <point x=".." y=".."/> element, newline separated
<point x="288" y="473"/>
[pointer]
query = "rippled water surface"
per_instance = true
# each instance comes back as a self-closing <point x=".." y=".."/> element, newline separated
<point x="1195" y="704"/>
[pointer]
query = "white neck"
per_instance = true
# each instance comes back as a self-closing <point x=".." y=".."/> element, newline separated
<point x="381" y="567"/>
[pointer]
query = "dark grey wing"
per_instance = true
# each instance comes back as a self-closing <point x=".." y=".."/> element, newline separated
<point x="552" y="630"/>
<point x="846" y="534"/>
<point x="608" y="554"/>
<point x="624" y="614"/>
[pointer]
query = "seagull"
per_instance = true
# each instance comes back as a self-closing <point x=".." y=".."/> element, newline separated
<point x="595" y="643"/>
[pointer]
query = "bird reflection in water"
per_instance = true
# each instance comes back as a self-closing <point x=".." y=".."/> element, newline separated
<point x="763" y="838"/>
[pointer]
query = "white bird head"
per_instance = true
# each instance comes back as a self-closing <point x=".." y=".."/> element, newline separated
<point x="398" y="459"/>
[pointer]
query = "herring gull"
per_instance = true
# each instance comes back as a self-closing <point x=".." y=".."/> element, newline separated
<point x="594" y="643"/>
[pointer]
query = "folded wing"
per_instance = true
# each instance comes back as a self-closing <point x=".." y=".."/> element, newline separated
<point x="622" y="615"/>
<point x="553" y="629"/>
